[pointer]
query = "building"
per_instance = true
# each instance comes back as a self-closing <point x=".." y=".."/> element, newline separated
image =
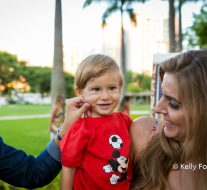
<point x="147" y="38"/>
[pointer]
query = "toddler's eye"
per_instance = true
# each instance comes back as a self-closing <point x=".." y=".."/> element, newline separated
<point x="95" y="89"/>
<point x="112" y="88"/>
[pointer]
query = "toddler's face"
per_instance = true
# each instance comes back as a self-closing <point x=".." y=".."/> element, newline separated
<point x="102" y="93"/>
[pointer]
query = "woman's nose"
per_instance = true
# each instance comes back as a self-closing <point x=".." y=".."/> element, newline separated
<point x="160" y="107"/>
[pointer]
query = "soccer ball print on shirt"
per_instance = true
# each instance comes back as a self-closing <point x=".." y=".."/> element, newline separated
<point x="117" y="164"/>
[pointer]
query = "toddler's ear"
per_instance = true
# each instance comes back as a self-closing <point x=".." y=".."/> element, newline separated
<point x="78" y="92"/>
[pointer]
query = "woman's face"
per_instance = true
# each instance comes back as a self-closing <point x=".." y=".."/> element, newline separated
<point x="171" y="108"/>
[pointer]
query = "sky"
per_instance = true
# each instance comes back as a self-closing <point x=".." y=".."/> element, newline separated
<point x="27" y="26"/>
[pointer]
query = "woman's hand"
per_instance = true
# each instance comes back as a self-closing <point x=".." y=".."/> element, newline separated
<point x="75" y="108"/>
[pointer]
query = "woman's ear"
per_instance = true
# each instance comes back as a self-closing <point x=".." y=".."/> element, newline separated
<point x="78" y="92"/>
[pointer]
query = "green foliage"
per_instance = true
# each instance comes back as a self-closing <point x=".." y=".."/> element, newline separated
<point x="143" y="81"/>
<point x="133" y="88"/>
<point x="196" y="34"/>
<point x="69" y="83"/>
<point x="129" y="76"/>
<point x="9" y="69"/>
<point x="114" y="6"/>
<point x="38" y="78"/>
<point x="121" y="6"/>
<point x="138" y="82"/>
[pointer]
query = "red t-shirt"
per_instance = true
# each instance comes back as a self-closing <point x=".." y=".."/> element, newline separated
<point x="99" y="149"/>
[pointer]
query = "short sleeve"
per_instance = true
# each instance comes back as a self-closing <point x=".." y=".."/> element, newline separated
<point x="127" y="119"/>
<point x="73" y="144"/>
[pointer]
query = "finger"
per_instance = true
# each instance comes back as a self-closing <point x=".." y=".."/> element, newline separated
<point x="88" y="113"/>
<point x="85" y="115"/>
<point x="75" y="100"/>
<point x="84" y="108"/>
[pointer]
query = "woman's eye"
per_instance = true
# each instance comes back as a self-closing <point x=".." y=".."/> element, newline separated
<point x="174" y="106"/>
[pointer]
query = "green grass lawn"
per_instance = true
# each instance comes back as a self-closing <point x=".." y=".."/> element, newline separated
<point x="140" y="107"/>
<point x="17" y="109"/>
<point x="32" y="135"/>
<point x="24" y="109"/>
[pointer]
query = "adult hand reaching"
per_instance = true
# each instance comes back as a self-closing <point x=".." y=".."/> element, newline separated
<point x="75" y="108"/>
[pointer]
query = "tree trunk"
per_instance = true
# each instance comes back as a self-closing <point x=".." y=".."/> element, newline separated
<point x="58" y="78"/>
<point x="180" y="47"/>
<point x="172" y="45"/>
<point x="123" y="58"/>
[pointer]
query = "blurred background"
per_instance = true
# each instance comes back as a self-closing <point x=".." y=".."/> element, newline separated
<point x="43" y="41"/>
<point x="149" y="27"/>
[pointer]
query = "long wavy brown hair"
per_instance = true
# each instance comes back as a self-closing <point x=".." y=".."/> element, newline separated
<point x="153" y="164"/>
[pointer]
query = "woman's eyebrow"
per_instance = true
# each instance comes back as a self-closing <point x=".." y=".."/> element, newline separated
<point x="172" y="98"/>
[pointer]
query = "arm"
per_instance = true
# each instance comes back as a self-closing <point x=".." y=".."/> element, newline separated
<point x="19" y="169"/>
<point x="67" y="177"/>
<point x="75" y="108"/>
<point x="54" y="111"/>
<point x="140" y="131"/>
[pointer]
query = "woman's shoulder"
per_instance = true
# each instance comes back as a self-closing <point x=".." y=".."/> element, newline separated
<point x="143" y="123"/>
<point x="140" y="132"/>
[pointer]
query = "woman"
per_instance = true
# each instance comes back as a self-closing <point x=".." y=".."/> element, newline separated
<point x="176" y="155"/>
<point x="57" y="116"/>
<point x="124" y="106"/>
<point x="171" y="153"/>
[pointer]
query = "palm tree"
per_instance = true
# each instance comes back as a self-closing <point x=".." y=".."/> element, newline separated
<point x="172" y="44"/>
<point x="57" y="77"/>
<point x="122" y="6"/>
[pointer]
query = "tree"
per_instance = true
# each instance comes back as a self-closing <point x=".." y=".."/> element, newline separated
<point x="39" y="80"/>
<point x="57" y="77"/>
<point x="143" y="81"/>
<point x="172" y="44"/>
<point x="196" y="34"/>
<point x="139" y="82"/>
<point x="121" y="6"/>
<point x="10" y="69"/>
<point x="180" y="34"/>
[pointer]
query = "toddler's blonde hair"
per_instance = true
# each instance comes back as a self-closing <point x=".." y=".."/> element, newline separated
<point x="94" y="66"/>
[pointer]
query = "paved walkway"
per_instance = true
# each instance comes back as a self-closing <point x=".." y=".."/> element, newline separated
<point x="15" y="117"/>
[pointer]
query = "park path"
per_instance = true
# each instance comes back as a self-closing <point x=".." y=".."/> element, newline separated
<point x="15" y="117"/>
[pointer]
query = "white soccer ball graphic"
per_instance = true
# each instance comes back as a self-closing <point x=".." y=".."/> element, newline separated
<point x="115" y="141"/>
